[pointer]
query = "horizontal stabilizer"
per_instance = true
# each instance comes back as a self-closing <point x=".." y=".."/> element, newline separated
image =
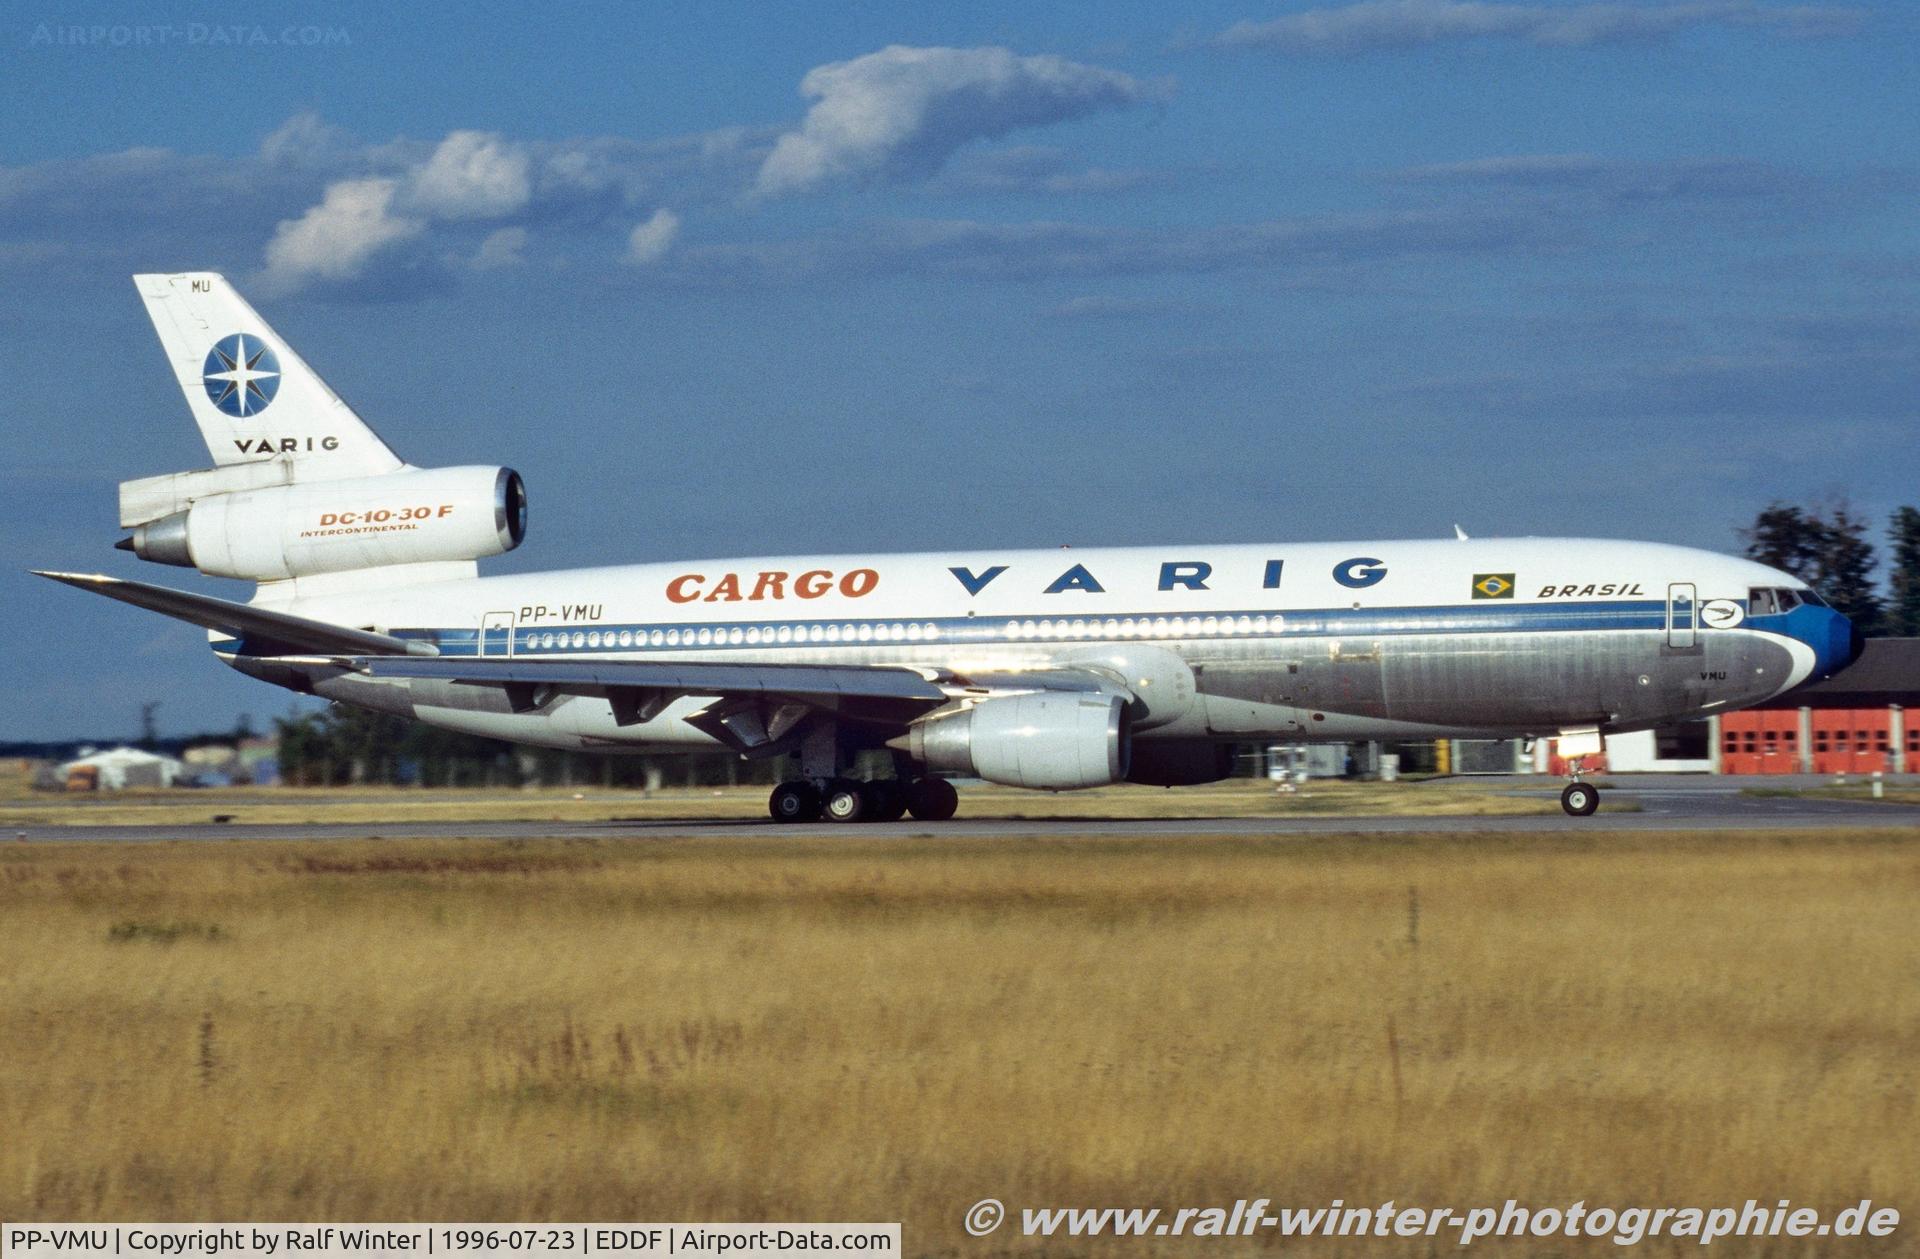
<point x="150" y="498"/>
<point x="264" y="632"/>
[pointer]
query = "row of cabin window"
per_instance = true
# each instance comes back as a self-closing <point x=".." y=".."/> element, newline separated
<point x="1156" y="627"/>
<point x="1127" y="627"/>
<point x="709" y="636"/>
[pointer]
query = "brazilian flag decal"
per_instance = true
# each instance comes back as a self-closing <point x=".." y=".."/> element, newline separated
<point x="1493" y="585"/>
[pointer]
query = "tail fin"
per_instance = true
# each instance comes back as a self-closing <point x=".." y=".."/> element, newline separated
<point x="252" y="396"/>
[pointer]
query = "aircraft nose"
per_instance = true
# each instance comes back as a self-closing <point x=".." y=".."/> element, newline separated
<point x="1838" y="646"/>
<point x="1856" y="643"/>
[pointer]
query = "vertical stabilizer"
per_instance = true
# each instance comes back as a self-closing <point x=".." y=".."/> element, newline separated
<point x="252" y="396"/>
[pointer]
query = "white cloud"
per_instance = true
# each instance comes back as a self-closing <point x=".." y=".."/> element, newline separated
<point x="1037" y="169"/>
<point x="905" y="110"/>
<point x="334" y="240"/>
<point x="471" y="182"/>
<point x="501" y="249"/>
<point x="1379" y="24"/>
<point x="651" y="239"/>
<point x="472" y="175"/>
<point x="305" y="139"/>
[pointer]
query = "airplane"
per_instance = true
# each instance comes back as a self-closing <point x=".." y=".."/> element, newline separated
<point x="1045" y="669"/>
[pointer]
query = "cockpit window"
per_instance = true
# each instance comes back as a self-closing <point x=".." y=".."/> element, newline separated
<point x="1770" y="600"/>
<point x="1812" y="596"/>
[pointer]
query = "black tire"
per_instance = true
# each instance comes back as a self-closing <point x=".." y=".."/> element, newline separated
<point x="1580" y="799"/>
<point x="889" y="800"/>
<point x="794" y="802"/>
<point x="932" y="800"/>
<point x="846" y="801"/>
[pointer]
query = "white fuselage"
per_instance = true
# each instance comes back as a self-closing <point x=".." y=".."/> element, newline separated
<point x="1320" y="641"/>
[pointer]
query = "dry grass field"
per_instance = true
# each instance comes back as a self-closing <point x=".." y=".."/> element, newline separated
<point x="891" y="1029"/>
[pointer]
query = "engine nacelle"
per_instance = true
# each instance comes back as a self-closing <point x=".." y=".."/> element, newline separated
<point x="1052" y="740"/>
<point x="300" y="530"/>
<point x="1180" y="762"/>
<point x="1161" y="682"/>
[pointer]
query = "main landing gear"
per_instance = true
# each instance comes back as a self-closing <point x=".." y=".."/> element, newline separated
<point x="794" y="802"/>
<point x="879" y="800"/>
<point x="824" y="791"/>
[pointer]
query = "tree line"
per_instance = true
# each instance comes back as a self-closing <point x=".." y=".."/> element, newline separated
<point x="346" y="746"/>
<point x="1830" y="549"/>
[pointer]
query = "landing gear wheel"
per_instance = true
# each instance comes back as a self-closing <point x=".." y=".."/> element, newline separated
<point x="889" y="799"/>
<point x="846" y="801"/>
<point x="1580" y="799"/>
<point x="794" y="802"/>
<point x="932" y="800"/>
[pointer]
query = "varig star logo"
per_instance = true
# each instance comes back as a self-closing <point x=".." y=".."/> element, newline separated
<point x="1493" y="585"/>
<point x="241" y="375"/>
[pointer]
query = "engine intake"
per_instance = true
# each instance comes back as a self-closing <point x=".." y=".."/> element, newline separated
<point x="300" y="530"/>
<point x="1051" y="740"/>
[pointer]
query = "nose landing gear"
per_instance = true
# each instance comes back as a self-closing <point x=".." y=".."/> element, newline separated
<point x="1580" y="799"/>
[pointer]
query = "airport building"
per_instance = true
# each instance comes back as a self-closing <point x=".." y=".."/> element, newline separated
<point x="118" y="769"/>
<point x="1857" y="722"/>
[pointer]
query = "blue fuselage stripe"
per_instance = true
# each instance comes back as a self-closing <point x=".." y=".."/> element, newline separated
<point x="1246" y="626"/>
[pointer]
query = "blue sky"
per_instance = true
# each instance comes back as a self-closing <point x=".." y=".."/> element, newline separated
<point x="739" y="279"/>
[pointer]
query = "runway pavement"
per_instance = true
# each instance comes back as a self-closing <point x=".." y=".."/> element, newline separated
<point x="1630" y="803"/>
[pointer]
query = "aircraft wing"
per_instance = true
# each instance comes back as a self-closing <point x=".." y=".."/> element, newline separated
<point x="264" y="632"/>
<point x="689" y="677"/>
<point x="757" y="709"/>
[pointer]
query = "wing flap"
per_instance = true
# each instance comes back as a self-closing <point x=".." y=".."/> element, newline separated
<point x="811" y="682"/>
<point x="759" y="710"/>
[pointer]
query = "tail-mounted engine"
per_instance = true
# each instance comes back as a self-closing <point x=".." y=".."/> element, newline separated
<point x="274" y="532"/>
